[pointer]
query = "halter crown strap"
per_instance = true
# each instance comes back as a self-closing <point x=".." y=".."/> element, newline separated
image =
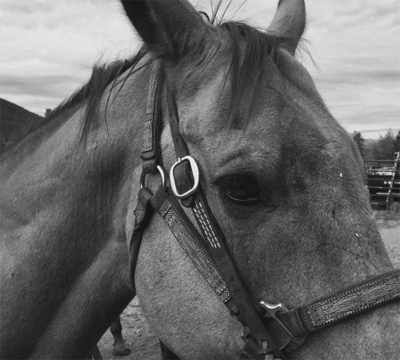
<point x="152" y="121"/>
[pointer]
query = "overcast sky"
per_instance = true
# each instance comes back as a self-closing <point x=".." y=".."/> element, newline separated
<point x="48" y="48"/>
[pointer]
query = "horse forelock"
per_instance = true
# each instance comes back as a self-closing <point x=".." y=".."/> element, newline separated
<point x="252" y="53"/>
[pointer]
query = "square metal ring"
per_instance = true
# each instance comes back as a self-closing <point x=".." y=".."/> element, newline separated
<point x="195" y="173"/>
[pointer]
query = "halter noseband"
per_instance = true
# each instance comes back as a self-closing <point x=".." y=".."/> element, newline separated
<point x="211" y="257"/>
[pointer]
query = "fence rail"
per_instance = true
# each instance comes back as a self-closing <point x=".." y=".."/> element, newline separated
<point x="383" y="178"/>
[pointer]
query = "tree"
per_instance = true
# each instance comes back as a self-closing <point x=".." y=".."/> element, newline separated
<point x="396" y="142"/>
<point x="360" y="141"/>
<point x="385" y="147"/>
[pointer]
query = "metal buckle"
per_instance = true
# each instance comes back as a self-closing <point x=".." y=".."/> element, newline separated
<point x="144" y="174"/>
<point x="195" y="173"/>
<point x="273" y="311"/>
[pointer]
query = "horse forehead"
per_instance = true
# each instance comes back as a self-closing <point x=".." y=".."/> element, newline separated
<point x="205" y="122"/>
<point x="271" y="137"/>
<point x="284" y="113"/>
<point x="206" y="115"/>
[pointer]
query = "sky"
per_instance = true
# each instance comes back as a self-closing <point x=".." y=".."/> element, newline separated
<point x="48" y="48"/>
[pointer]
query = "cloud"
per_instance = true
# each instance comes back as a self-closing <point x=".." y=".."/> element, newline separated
<point x="56" y="43"/>
<point x="17" y="8"/>
<point x="49" y="47"/>
<point x="380" y="77"/>
<point x="51" y="86"/>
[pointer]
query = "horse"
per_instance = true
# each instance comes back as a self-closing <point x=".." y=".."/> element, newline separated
<point x="270" y="172"/>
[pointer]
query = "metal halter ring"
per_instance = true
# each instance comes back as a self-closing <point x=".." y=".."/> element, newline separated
<point x="195" y="174"/>
<point x="162" y="174"/>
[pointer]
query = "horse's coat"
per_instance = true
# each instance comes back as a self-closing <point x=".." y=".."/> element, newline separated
<point x="247" y="107"/>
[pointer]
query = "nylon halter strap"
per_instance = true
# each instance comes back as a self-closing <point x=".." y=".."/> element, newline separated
<point x="209" y="253"/>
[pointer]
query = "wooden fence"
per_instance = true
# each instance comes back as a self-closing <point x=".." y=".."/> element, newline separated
<point x="383" y="180"/>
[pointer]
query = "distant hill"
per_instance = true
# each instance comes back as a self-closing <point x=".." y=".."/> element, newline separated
<point x="15" y="123"/>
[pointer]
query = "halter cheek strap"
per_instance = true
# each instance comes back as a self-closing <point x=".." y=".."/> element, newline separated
<point x="212" y="259"/>
<point x="214" y="239"/>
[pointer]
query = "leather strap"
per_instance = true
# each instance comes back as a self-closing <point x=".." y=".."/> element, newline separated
<point x="151" y="153"/>
<point x="182" y="171"/>
<point x="143" y="214"/>
<point x="352" y="301"/>
<point x="151" y="156"/>
<point x="191" y="242"/>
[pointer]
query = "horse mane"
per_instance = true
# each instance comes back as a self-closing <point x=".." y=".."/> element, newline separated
<point x="92" y="91"/>
<point x="90" y="94"/>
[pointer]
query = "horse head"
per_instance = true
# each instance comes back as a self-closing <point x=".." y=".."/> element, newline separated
<point x="283" y="179"/>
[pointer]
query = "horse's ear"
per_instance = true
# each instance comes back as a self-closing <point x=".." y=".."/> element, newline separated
<point x="289" y="23"/>
<point x="170" y="29"/>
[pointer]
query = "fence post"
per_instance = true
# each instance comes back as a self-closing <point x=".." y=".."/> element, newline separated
<point x="389" y="199"/>
<point x="383" y="180"/>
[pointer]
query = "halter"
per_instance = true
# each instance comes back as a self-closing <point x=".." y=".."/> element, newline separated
<point x="211" y="257"/>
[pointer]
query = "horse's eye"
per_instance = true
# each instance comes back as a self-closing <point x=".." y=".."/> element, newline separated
<point x="241" y="189"/>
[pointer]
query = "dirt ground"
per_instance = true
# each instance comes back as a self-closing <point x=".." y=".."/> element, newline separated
<point x="144" y="345"/>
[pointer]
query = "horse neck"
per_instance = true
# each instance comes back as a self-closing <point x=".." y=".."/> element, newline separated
<point x="55" y="157"/>
<point x="66" y="203"/>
